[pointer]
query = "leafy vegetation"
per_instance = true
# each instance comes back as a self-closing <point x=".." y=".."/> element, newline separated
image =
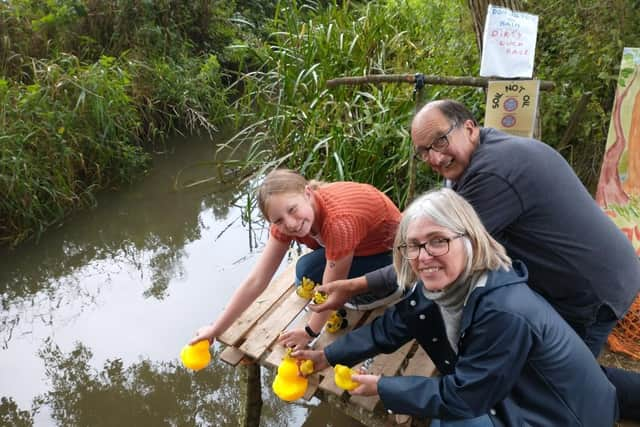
<point x="349" y="133"/>
<point x="361" y="132"/>
<point x="87" y="87"/>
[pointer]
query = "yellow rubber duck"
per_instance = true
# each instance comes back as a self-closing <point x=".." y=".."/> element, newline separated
<point x="196" y="356"/>
<point x="342" y="377"/>
<point x="337" y="321"/>
<point x="289" y="385"/>
<point x="306" y="367"/>
<point x="319" y="297"/>
<point x="305" y="290"/>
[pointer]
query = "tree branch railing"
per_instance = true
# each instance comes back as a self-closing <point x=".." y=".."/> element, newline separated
<point x="427" y="79"/>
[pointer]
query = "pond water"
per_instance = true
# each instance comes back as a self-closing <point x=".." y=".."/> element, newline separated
<point x="95" y="313"/>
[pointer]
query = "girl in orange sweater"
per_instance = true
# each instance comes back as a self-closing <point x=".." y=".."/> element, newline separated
<point x="350" y="226"/>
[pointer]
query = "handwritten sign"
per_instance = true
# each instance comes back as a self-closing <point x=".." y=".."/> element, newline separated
<point x="509" y="43"/>
<point x="512" y="106"/>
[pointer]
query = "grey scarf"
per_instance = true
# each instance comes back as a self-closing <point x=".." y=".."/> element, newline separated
<point x="451" y="301"/>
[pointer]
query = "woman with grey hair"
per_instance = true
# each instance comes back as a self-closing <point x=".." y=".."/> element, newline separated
<point x="505" y="356"/>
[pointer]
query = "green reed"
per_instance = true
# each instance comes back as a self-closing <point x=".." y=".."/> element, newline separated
<point x="347" y="133"/>
<point x="74" y="120"/>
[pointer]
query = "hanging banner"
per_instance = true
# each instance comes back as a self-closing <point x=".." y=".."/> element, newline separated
<point x="619" y="186"/>
<point x="512" y="106"/>
<point x="509" y="43"/>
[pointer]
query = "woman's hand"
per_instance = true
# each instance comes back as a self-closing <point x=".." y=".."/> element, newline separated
<point x="296" y="339"/>
<point x="368" y="385"/>
<point x="204" y="333"/>
<point x="316" y="356"/>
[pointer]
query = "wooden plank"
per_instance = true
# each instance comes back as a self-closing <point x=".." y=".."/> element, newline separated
<point x="312" y="386"/>
<point x="277" y="351"/>
<point x="261" y="305"/>
<point x="383" y="364"/>
<point x="231" y="355"/>
<point x="266" y="331"/>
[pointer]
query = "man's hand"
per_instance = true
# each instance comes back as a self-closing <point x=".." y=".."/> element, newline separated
<point x="316" y="356"/>
<point x="368" y="385"/>
<point x="338" y="292"/>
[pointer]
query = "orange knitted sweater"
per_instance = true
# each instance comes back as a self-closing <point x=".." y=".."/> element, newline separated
<point x="352" y="217"/>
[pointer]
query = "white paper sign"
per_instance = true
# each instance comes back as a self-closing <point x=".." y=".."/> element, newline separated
<point x="509" y="43"/>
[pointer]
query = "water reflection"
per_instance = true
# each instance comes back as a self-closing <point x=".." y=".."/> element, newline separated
<point x="144" y="228"/>
<point x="153" y="219"/>
<point x="12" y="415"/>
<point x="94" y="315"/>
<point x="144" y="393"/>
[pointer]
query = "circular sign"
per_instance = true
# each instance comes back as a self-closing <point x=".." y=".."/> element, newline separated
<point x="510" y="104"/>
<point x="508" y="121"/>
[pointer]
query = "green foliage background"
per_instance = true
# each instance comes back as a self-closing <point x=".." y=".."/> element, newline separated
<point x="88" y="87"/>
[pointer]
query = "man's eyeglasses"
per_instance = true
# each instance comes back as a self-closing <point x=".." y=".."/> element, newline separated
<point x="439" y="145"/>
<point x="435" y="247"/>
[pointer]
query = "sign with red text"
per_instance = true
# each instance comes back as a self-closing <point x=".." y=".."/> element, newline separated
<point x="509" y="43"/>
<point x="512" y="106"/>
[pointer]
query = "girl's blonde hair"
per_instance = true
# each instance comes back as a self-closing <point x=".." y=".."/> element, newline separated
<point x="449" y="210"/>
<point x="281" y="181"/>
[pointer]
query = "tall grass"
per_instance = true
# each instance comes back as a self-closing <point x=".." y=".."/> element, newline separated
<point x="360" y="133"/>
<point x="348" y="133"/>
<point x="88" y="87"/>
<point x="69" y="130"/>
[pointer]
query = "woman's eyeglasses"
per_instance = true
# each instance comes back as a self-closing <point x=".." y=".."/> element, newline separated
<point x="435" y="247"/>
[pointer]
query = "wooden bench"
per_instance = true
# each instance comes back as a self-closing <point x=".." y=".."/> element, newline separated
<point x="252" y="338"/>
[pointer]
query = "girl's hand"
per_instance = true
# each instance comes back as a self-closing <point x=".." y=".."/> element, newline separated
<point x="204" y="333"/>
<point x="316" y="356"/>
<point x="296" y="339"/>
<point x="368" y="385"/>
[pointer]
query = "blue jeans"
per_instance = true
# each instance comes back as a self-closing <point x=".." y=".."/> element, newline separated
<point x="312" y="266"/>
<point x="481" y="421"/>
<point x="595" y="333"/>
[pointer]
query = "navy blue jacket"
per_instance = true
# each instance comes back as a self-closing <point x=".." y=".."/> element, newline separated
<point x="532" y="202"/>
<point x="517" y="360"/>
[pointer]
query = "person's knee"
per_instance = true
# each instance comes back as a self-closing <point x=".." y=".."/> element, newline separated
<point x="311" y="266"/>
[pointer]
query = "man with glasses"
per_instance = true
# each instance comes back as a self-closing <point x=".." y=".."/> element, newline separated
<point x="532" y="202"/>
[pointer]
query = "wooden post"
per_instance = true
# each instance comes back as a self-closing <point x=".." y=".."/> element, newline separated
<point x="418" y="95"/>
<point x="251" y="397"/>
<point x="574" y="120"/>
<point x="478" y="10"/>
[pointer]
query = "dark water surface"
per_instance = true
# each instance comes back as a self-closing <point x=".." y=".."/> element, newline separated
<point x="94" y="314"/>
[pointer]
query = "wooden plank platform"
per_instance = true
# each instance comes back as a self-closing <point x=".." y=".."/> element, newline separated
<point x="253" y="336"/>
